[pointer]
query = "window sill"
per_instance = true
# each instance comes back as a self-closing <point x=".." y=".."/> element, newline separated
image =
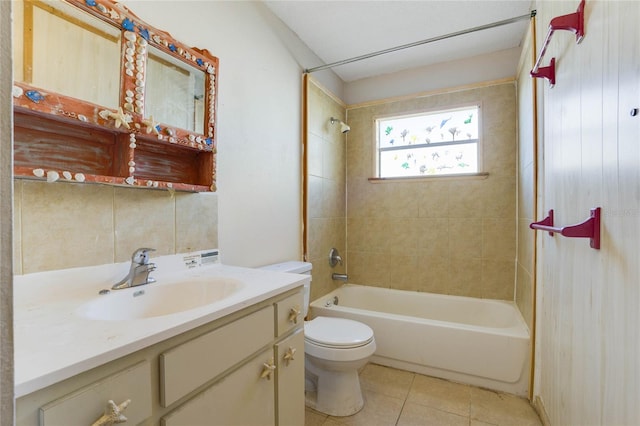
<point x="466" y="176"/>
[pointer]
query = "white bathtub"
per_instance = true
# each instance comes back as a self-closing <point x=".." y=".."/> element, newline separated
<point x="481" y="342"/>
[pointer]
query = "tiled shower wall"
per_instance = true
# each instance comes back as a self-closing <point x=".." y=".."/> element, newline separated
<point x="326" y="153"/>
<point x="525" y="271"/>
<point x="443" y="235"/>
<point x="67" y="225"/>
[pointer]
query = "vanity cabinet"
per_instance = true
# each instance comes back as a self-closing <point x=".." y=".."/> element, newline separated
<point x="246" y="368"/>
<point x="125" y="104"/>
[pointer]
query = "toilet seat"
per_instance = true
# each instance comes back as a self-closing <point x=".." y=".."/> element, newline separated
<point x="338" y="333"/>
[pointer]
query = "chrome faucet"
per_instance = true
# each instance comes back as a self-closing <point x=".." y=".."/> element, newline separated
<point x="139" y="270"/>
<point x="334" y="258"/>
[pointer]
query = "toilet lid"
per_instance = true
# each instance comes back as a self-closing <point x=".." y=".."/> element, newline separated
<point x="337" y="332"/>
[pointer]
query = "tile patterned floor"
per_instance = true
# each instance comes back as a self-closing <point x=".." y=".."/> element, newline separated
<point x="401" y="398"/>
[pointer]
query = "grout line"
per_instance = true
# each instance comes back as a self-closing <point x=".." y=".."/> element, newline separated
<point x="404" y="402"/>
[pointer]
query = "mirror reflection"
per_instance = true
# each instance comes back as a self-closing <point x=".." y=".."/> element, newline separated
<point x="175" y="92"/>
<point x="61" y="48"/>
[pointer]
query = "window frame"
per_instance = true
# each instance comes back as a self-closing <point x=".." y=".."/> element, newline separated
<point x="425" y="112"/>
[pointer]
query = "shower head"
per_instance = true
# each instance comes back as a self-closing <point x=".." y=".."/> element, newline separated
<point x="344" y="127"/>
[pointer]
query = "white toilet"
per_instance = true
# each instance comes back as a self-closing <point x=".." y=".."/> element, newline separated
<point x="335" y="348"/>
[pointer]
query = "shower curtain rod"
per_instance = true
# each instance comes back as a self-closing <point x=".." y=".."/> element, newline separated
<point x="418" y="43"/>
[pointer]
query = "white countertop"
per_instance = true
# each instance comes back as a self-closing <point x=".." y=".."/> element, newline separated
<point x="54" y="342"/>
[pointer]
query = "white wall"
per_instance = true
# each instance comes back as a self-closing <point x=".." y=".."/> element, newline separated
<point x="478" y="69"/>
<point x="589" y="300"/>
<point x="259" y="122"/>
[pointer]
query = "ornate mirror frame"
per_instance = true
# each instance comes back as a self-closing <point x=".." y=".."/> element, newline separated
<point x="62" y="138"/>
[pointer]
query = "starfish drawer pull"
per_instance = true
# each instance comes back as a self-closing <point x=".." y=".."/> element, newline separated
<point x="267" y="369"/>
<point x="288" y="356"/>
<point x="112" y="414"/>
<point x="293" y="314"/>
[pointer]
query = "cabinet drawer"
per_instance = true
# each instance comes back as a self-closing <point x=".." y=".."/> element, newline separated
<point x="242" y="398"/>
<point x="88" y="404"/>
<point x="289" y="313"/>
<point x="194" y="363"/>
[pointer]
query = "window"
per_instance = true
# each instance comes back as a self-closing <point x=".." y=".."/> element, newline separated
<point x="435" y="143"/>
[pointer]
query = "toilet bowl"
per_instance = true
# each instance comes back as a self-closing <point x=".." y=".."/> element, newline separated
<point x="335" y="349"/>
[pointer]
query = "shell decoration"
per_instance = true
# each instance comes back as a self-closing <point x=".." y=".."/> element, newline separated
<point x="128" y="24"/>
<point x="34" y="96"/>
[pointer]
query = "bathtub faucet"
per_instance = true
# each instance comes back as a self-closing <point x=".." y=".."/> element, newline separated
<point x="339" y="277"/>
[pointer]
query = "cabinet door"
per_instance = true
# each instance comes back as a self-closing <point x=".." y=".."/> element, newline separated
<point x="290" y="380"/>
<point x="243" y="398"/>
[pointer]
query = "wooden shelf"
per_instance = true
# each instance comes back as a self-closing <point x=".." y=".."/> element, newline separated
<point x="44" y="142"/>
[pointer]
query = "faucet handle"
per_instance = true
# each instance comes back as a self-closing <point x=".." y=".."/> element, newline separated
<point x="334" y="257"/>
<point x="141" y="255"/>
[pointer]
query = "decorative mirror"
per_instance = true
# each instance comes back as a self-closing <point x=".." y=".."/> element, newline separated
<point x="175" y="91"/>
<point x="68" y="51"/>
<point x="101" y="96"/>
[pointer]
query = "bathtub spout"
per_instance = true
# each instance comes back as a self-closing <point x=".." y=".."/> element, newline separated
<point x="339" y="277"/>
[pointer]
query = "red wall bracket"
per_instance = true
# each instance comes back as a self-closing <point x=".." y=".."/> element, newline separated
<point x="590" y="228"/>
<point x="547" y="72"/>
<point x="573" y="22"/>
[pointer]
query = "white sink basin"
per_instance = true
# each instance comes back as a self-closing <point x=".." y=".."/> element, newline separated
<point x="154" y="300"/>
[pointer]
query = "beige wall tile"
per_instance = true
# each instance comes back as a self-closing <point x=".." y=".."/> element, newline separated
<point x="439" y="224"/>
<point x="103" y="224"/>
<point x="315" y="197"/>
<point x="333" y="199"/>
<point x="326" y="189"/>
<point x="358" y="190"/>
<point x="315" y="154"/>
<point x="196" y="221"/>
<point x="66" y="225"/>
<point x="143" y="218"/>
<point x="497" y="279"/>
<point x="434" y="199"/>
<point x="333" y="164"/>
<point x="433" y="274"/>
<point x="466" y="198"/>
<point x="524" y="295"/>
<point x="526" y="243"/>
<point x="433" y="237"/>
<point x="499" y="197"/>
<point x="403" y="272"/>
<point x="498" y="239"/>
<point x="465" y="277"/>
<point x="317" y="117"/>
<point x="465" y="238"/>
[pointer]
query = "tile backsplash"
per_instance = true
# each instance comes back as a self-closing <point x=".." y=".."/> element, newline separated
<point x="67" y="225"/>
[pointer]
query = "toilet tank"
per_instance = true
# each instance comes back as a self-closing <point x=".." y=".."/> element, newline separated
<point x="295" y="267"/>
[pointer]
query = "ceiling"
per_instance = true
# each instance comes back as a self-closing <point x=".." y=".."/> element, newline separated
<point x="338" y="30"/>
